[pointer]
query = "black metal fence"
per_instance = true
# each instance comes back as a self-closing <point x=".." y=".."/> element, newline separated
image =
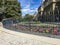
<point x="47" y="29"/>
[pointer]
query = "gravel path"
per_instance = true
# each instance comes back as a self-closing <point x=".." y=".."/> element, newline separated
<point x="8" y="37"/>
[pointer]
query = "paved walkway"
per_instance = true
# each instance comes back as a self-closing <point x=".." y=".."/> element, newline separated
<point x="8" y="37"/>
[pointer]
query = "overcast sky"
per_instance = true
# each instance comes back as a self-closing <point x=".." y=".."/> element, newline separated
<point x="29" y="6"/>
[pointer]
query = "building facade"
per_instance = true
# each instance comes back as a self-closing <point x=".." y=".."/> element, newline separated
<point x="49" y="11"/>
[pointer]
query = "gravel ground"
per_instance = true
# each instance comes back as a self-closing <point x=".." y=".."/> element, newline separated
<point x="8" y="37"/>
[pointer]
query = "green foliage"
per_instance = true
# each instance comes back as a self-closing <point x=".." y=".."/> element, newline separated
<point x="28" y="17"/>
<point x="11" y="8"/>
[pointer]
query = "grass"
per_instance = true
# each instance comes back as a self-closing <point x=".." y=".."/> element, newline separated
<point x="37" y="24"/>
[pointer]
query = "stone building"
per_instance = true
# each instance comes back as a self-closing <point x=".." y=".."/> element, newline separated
<point x="49" y="11"/>
<point x="35" y="16"/>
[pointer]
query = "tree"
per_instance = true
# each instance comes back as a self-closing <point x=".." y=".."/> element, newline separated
<point x="12" y="9"/>
<point x="28" y="17"/>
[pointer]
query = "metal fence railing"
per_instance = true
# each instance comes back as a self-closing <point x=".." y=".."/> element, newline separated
<point x="46" y="29"/>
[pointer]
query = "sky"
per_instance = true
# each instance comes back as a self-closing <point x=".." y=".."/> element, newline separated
<point x="29" y="6"/>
